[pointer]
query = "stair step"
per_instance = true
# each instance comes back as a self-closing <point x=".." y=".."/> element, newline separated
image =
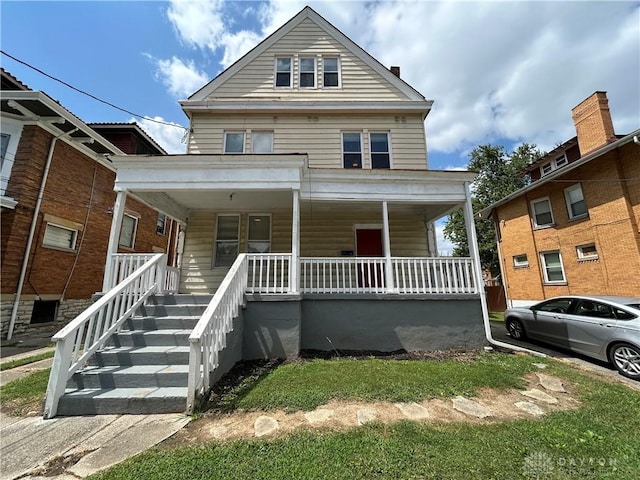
<point x="149" y="338"/>
<point x="154" y="355"/>
<point x="114" y="376"/>
<point x="123" y="400"/>
<point x="179" y="299"/>
<point x="171" y="310"/>
<point x="160" y="323"/>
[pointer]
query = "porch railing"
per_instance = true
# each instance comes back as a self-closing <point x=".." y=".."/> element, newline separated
<point x="124" y="264"/>
<point x="210" y="333"/>
<point x="81" y="338"/>
<point x="342" y="275"/>
<point x="268" y="272"/>
<point x="433" y="275"/>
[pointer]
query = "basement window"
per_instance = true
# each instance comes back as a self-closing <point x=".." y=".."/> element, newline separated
<point x="44" y="311"/>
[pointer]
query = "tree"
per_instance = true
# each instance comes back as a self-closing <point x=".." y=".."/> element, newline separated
<point x="499" y="174"/>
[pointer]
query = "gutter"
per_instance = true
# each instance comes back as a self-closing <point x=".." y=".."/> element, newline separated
<point x="32" y="230"/>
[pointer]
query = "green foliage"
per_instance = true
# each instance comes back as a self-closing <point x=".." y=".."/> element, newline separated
<point x="499" y="174"/>
<point x="26" y="361"/>
<point x="25" y="394"/>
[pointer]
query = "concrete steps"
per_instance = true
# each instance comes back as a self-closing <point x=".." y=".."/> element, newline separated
<point x="144" y="367"/>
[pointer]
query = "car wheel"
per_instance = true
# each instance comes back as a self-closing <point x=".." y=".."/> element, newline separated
<point x="626" y="358"/>
<point x="516" y="329"/>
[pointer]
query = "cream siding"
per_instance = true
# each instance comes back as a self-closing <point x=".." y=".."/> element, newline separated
<point x="317" y="135"/>
<point x="323" y="232"/>
<point x="256" y="80"/>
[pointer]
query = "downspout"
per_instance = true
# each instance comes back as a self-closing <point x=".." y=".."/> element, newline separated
<point x="472" y="239"/>
<point x="32" y="230"/>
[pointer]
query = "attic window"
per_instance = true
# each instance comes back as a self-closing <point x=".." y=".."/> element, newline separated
<point x="283" y="71"/>
<point x="307" y="72"/>
<point x="549" y="167"/>
<point x="331" y="74"/>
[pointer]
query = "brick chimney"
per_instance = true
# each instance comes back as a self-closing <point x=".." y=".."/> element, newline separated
<point x="395" y="71"/>
<point x="592" y="119"/>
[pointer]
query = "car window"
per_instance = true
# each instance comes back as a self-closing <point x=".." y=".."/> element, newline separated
<point x="560" y="305"/>
<point x="589" y="308"/>
<point x="634" y="305"/>
<point x="623" y="315"/>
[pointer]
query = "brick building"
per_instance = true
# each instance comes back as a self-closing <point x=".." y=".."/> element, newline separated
<point x="575" y="228"/>
<point x="58" y="190"/>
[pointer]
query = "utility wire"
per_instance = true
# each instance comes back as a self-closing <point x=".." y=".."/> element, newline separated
<point x="90" y="95"/>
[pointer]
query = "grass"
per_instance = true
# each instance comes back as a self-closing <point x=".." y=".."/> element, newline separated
<point x="24" y="395"/>
<point x="597" y="440"/>
<point x="496" y="317"/>
<point x="25" y="361"/>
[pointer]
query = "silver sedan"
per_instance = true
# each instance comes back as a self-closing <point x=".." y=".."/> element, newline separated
<point x="602" y="327"/>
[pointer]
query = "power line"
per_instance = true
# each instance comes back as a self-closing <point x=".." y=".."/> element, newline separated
<point x="90" y="95"/>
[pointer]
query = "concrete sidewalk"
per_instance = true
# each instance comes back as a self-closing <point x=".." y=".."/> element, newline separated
<point x="12" y="374"/>
<point x="76" y="447"/>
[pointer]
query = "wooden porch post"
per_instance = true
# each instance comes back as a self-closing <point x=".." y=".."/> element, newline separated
<point x="114" y="237"/>
<point x="388" y="268"/>
<point x="295" y="245"/>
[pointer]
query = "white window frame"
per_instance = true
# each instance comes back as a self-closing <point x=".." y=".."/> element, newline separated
<point x="133" y="233"/>
<point x="164" y="223"/>
<point x="261" y="132"/>
<point x="371" y="152"/>
<point x="554" y="164"/>
<point x="234" y="132"/>
<point x="73" y="239"/>
<point x="276" y="71"/>
<point x="249" y="216"/>
<point x="533" y="212"/>
<point x="13" y="129"/>
<point x="569" y="204"/>
<point x="520" y="263"/>
<point x="586" y="256"/>
<point x="543" y="264"/>
<point x="343" y="152"/>
<point x="215" y="242"/>
<point x="543" y="167"/>
<point x="561" y="161"/>
<point x="300" y="72"/>
<point x="339" y="71"/>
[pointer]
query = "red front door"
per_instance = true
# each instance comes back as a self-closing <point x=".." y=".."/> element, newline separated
<point x="369" y="244"/>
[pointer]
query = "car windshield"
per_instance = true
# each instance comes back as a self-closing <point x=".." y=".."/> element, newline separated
<point x="634" y="305"/>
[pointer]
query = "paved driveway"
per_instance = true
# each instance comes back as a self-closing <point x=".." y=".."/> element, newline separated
<point x="586" y="363"/>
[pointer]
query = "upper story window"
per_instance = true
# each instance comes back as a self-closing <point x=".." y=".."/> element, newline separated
<point x="380" y="152"/>
<point x="227" y="240"/>
<point x="4" y="144"/>
<point x="575" y="202"/>
<point x="541" y="211"/>
<point x="307" y="72"/>
<point x="587" y="252"/>
<point x="128" y="231"/>
<point x="262" y="142"/>
<point x="352" y="150"/>
<point x="234" y="142"/>
<point x="259" y="234"/>
<point x="60" y="237"/>
<point x="554" y="164"/>
<point x="284" y="69"/>
<point x="561" y="161"/>
<point x="330" y="72"/>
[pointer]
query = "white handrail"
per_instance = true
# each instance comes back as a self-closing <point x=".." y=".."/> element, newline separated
<point x="210" y="333"/>
<point x="268" y="272"/>
<point x="123" y="265"/>
<point x="81" y="338"/>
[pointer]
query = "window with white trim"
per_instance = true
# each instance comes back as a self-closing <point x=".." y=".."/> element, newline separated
<point x="520" y="261"/>
<point x="227" y="240"/>
<point x="284" y="69"/>
<point x="549" y="167"/>
<point x="307" y="72"/>
<point x="233" y="142"/>
<point x="259" y="233"/>
<point x="352" y="149"/>
<point x="552" y="267"/>
<point x="58" y="236"/>
<point x="262" y="142"/>
<point x="4" y="145"/>
<point x="330" y="72"/>
<point x="128" y="231"/>
<point x="541" y="211"/>
<point x="161" y="224"/>
<point x="379" y="150"/>
<point x="587" y="252"/>
<point x="575" y="202"/>
<point x="561" y="160"/>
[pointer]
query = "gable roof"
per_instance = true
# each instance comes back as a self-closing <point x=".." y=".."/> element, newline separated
<point x="134" y="128"/>
<point x="312" y="15"/>
<point x="9" y="82"/>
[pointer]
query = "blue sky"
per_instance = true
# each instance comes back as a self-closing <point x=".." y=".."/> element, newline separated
<point x="499" y="72"/>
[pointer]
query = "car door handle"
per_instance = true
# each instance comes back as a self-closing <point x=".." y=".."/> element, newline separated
<point x="609" y="325"/>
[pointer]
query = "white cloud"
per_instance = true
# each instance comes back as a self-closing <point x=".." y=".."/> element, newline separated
<point x="181" y="78"/>
<point x="445" y="247"/>
<point x="168" y="136"/>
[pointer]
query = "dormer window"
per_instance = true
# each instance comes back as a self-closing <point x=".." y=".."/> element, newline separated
<point x="560" y="161"/>
<point x="549" y="167"/>
<point x="284" y="68"/>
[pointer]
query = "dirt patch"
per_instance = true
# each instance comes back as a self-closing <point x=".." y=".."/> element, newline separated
<point x="58" y="465"/>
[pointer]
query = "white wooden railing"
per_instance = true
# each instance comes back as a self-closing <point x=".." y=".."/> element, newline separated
<point x="172" y="280"/>
<point x="124" y="264"/>
<point x="210" y="333"/>
<point x="89" y="331"/>
<point x="342" y="275"/>
<point x="268" y="272"/>
<point x="433" y="275"/>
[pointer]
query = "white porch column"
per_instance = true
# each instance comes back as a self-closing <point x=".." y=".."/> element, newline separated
<point x="295" y="244"/>
<point x="472" y="240"/>
<point x="386" y="243"/>
<point x="114" y="237"/>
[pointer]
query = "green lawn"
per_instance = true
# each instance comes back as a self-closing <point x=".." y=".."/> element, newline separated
<point x="26" y="361"/>
<point x="496" y="317"/>
<point x="598" y="440"/>
<point x="24" y="395"/>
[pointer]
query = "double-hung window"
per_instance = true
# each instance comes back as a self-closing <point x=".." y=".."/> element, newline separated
<point x="227" y="235"/>
<point x="284" y="69"/>
<point x="259" y="234"/>
<point x="234" y="142"/>
<point x="575" y="202"/>
<point x="128" y="231"/>
<point x="380" y="152"/>
<point x="330" y="72"/>
<point x="262" y="142"/>
<point x="307" y="72"/>
<point x="60" y="237"/>
<point x="161" y="224"/>
<point x="352" y="150"/>
<point x="552" y="267"/>
<point x="541" y="211"/>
